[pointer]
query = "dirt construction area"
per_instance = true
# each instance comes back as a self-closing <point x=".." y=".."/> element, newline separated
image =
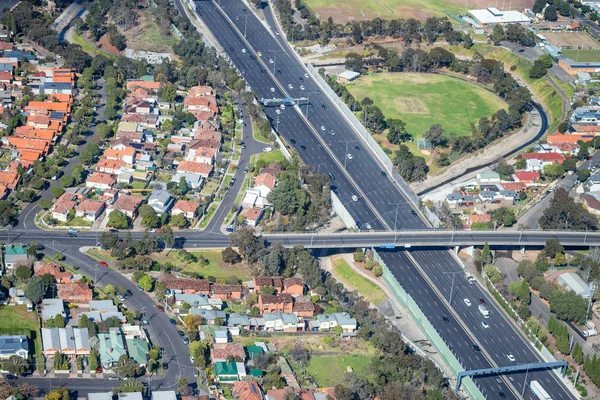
<point x="573" y="40"/>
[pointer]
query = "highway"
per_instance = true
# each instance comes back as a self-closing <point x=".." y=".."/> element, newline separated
<point x="325" y="140"/>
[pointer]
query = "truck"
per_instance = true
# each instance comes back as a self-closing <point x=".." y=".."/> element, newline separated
<point x="539" y="391"/>
<point x="484" y="311"/>
<point x="589" y="332"/>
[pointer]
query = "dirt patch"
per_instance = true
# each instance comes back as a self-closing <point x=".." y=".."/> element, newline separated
<point x="574" y="40"/>
<point x="147" y="36"/>
<point x="410" y="105"/>
<point x="104" y="44"/>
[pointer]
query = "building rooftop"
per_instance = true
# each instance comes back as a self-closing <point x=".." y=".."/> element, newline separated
<point x="573" y="282"/>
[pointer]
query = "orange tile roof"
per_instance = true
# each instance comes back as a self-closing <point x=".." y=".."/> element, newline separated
<point x="127" y="202"/>
<point x="186" y="206"/>
<point x="28" y="157"/>
<point x="61" y="97"/>
<point x="74" y="291"/>
<point x="554" y="139"/>
<point x="265" y="179"/>
<point x="34" y="133"/>
<point x="53" y="270"/>
<point x="223" y="350"/>
<point x="48" y="106"/>
<point x="247" y="390"/>
<point x="64" y="204"/>
<point x="106" y="163"/>
<point x="102" y="178"/>
<point x="252" y="214"/>
<point x="119" y="154"/>
<point x="6" y="76"/>
<point x="39" y="119"/>
<point x="10" y="179"/>
<point x="193" y="167"/>
<point x="37" y="145"/>
<point x="482" y="218"/>
<point x="135" y="83"/>
<point x="64" y="79"/>
<point x="90" y="205"/>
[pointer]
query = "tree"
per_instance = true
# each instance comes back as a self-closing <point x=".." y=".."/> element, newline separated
<point x="564" y="214"/>
<point x="358" y="256"/>
<point x="486" y="254"/>
<point x="56" y="191"/>
<point x="550" y="13"/>
<point x="523" y="311"/>
<point x="108" y="240"/>
<point x="436" y="136"/>
<point x="160" y="288"/>
<point x="504" y="216"/>
<point x="179" y="221"/>
<point x="146" y="282"/>
<point x="23" y="272"/>
<point x="498" y="34"/>
<point x="45" y="204"/>
<point x="540" y="66"/>
<point x="67" y="181"/>
<point x="131" y="386"/>
<point x="538" y="6"/>
<point x="583" y="174"/>
<point x="117" y="219"/>
<point x="520" y="290"/>
<point x="377" y="270"/>
<point x="468" y="41"/>
<point x="249" y="246"/>
<point x="183" y="387"/>
<point x="553" y="247"/>
<point x="166" y="236"/>
<point x="230" y="256"/>
<point x="149" y="216"/>
<point x="126" y="367"/>
<point x="569" y="164"/>
<point x="15" y="365"/>
<point x="192" y="321"/>
<point x="397" y="131"/>
<point x="568" y="306"/>
<point x="60" y="393"/>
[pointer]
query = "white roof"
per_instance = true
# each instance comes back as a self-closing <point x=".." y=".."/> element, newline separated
<point x="164" y="395"/>
<point x="349" y="75"/>
<point x="131" y="396"/>
<point x="492" y="15"/>
<point x="100" y="396"/>
<point x="575" y="283"/>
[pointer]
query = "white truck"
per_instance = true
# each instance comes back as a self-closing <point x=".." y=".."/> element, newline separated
<point x="590" y="332"/>
<point x="539" y="391"/>
<point x="484" y="311"/>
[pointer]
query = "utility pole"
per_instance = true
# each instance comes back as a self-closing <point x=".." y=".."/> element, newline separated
<point x="245" y="23"/>
<point x="346" y="154"/>
<point x="452" y="287"/>
<point x="275" y="58"/>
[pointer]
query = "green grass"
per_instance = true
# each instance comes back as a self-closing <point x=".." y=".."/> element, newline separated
<point x="371" y="292"/>
<point x="216" y="267"/>
<point x="340" y="11"/>
<point x="210" y="188"/>
<point x="422" y="100"/>
<point x="582" y="55"/>
<point x="258" y="134"/>
<point x="16" y="320"/>
<point x="271" y="156"/>
<point x="87" y="47"/>
<point x="329" y="370"/>
<point x="79" y="221"/>
<point x="227" y="180"/>
<point x="208" y="216"/>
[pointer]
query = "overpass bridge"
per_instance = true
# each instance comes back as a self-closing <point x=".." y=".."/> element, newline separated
<point x="433" y="238"/>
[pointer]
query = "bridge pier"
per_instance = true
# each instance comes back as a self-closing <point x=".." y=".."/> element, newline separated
<point x="522" y="249"/>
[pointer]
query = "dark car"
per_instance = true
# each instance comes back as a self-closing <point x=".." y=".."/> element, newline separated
<point x="165" y="366"/>
<point x="413" y="212"/>
<point x="323" y="106"/>
<point x="476" y="348"/>
<point x="231" y="48"/>
<point x="232" y="181"/>
<point x="383" y="173"/>
<point x="292" y="141"/>
<point x="71" y="234"/>
<point x="303" y="147"/>
<point x="482" y="301"/>
<point x="180" y="333"/>
<point x="160" y="308"/>
<point x="446" y="319"/>
<point x="502" y="395"/>
<point x="173" y="322"/>
<point x="185" y="340"/>
<point x="356" y="147"/>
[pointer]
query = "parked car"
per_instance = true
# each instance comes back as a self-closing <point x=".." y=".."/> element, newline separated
<point x="185" y="340"/>
<point x="103" y="264"/>
<point x="160" y="308"/>
<point x="138" y="287"/>
<point x="71" y="234"/>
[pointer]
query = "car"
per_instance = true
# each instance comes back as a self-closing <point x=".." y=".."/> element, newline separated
<point x="258" y="53"/>
<point x="323" y="106"/>
<point x="138" y="287"/>
<point x="383" y="173"/>
<point x="196" y="373"/>
<point x="278" y="112"/>
<point x="484" y="324"/>
<point x="323" y="128"/>
<point x="446" y="319"/>
<point x="145" y="322"/>
<point x="293" y="141"/>
<point x="482" y="301"/>
<point x="303" y="147"/>
<point x="160" y="308"/>
<point x="271" y="60"/>
<point x="521" y="50"/>
<point x="11" y="377"/>
<point x="99" y="370"/>
<point x="331" y="177"/>
<point x="476" y="348"/>
<point x="467" y="302"/>
<point x="230" y="228"/>
<point x="246" y="170"/>
<point x="282" y="106"/>
<point x="151" y="230"/>
<point x="165" y="366"/>
<point x="121" y="298"/>
<point x="349" y="156"/>
<point x="290" y="86"/>
<point x="273" y="89"/>
<point x="301" y="87"/>
<point x="301" y="79"/>
<point x="58" y="175"/>
<point x="368" y="226"/>
<point x="277" y="32"/>
<point x="306" y="76"/>
<point x="356" y="148"/>
<point x="267" y="149"/>
<point x="510" y="357"/>
<point x="180" y="333"/>
<point x="354" y="197"/>
<point x="332" y="132"/>
<point x="172" y="321"/>
<point x="113" y="378"/>
<point x="103" y="264"/>
<point x="71" y="234"/>
<point x="231" y="48"/>
<point x="413" y="212"/>
<point x="73" y="230"/>
<point x="502" y="395"/>
<point x="243" y="145"/>
<point x="185" y="340"/>
<point x="244" y="51"/>
<point x="232" y="181"/>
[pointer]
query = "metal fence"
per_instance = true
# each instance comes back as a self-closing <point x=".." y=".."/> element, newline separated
<point x="407" y="301"/>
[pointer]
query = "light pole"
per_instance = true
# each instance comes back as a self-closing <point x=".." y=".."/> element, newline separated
<point x="245" y="23"/>
<point x="308" y="101"/>
<point x="346" y="154"/>
<point x="452" y="287"/>
<point x="396" y="218"/>
<point x="275" y="58"/>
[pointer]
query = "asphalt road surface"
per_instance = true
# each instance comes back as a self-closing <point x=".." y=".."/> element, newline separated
<point x="275" y="72"/>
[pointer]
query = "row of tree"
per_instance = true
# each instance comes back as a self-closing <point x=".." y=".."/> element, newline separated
<point x="561" y="335"/>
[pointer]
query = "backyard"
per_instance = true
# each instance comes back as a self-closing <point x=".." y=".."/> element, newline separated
<point x="16" y="320"/>
<point x="342" y="271"/>
<point x="329" y="370"/>
<point x="422" y="100"/>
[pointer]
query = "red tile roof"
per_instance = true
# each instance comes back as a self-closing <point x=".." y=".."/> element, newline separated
<point x="527" y="175"/>
<point x="554" y="157"/>
<point x="246" y="390"/>
<point x="201" y="285"/>
<point x="265" y="179"/>
<point x="222" y="351"/>
<point x="186" y="206"/>
<point x="194" y="167"/>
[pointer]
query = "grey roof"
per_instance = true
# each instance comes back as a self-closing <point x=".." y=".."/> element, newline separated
<point x="164" y="395"/>
<point x="487" y="193"/>
<point x="57" y="86"/>
<point x="209" y="315"/>
<point x="103" y="305"/>
<point x="287" y="318"/>
<point x="13" y="344"/>
<point x="221" y="334"/>
<point x="51" y="308"/>
<point x="50" y="339"/>
<point x="19" y="54"/>
<point x="100" y="396"/>
<point x="160" y="200"/>
<point x="575" y="283"/>
<point x="454" y="196"/>
<point x="341" y="318"/>
<point x="6" y="67"/>
<point x="131" y="396"/>
<point x="194" y="300"/>
<point x="508" y="193"/>
<point x="234" y="319"/>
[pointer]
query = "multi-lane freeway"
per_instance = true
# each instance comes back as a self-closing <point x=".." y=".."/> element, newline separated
<point x="323" y="137"/>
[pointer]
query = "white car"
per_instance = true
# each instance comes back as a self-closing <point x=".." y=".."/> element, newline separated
<point x="244" y="51"/>
<point x="277" y="112"/>
<point x="332" y="132"/>
<point x="301" y="87"/>
<point x="277" y="32"/>
<point x="349" y="156"/>
<point x="510" y="357"/>
<point x="306" y="76"/>
<point x="267" y="149"/>
<point x="290" y="86"/>
<point x="282" y="106"/>
<point x="273" y="89"/>
<point x="354" y="197"/>
<point x="484" y="324"/>
<point x="323" y="128"/>
<point x="467" y="302"/>
<point x="271" y="60"/>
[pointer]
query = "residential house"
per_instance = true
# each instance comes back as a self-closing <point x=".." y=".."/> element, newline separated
<point x="195" y="286"/>
<point x="58" y="272"/>
<point x="330" y="321"/>
<point x="262" y="281"/>
<point x="530" y="178"/>
<point x="111" y="346"/>
<point x="304" y="308"/>
<point x="57" y="87"/>
<point x="196" y="168"/>
<point x="127" y="154"/>
<point x="209" y="316"/>
<point x="161" y="201"/>
<point x="226" y="371"/>
<point x="488" y="176"/>
<point x="226" y="292"/>
<point x="189" y="209"/>
<point x="458" y="199"/>
<point x="252" y="216"/>
<point x="293" y="286"/>
<point x="221" y="337"/>
<point x="113" y="167"/>
<point x="537" y="161"/>
<point x="264" y="183"/>
<point x="101" y="310"/>
<point x="478" y="218"/>
<point x="100" y="180"/>
<point x="198" y="301"/>
<point x="17" y="296"/>
<point x="193" y="181"/>
<point x="127" y="204"/>
<point x="69" y="340"/>
<point x="61" y="209"/>
<point x="13" y="345"/>
<point x="166" y="395"/>
<point x="237" y="321"/>
<point x="90" y="210"/>
<point x="268" y="303"/>
<point x="592" y="203"/>
<point x="204" y="155"/>
<point x="222" y="351"/>
<point x="77" y="293"/>
<point x="138" y="350"/>
<point x="246" y="390"/>
<point x="51" y="308"/>
<point x="286" y="322"/>
<point x="593" y="183"/>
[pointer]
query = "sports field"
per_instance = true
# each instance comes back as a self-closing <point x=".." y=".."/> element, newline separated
<point x="582" y="55"/>
<point x="422" y="100"/>
<point x="344" y="10"/>
<point x="573" y="39"/>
